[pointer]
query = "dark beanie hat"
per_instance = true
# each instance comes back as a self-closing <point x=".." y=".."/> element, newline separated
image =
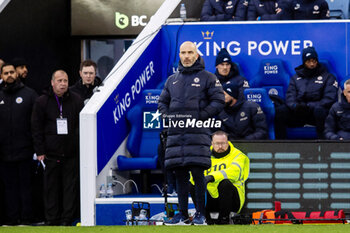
<point x="223" y="56"/>
<point x="19" y="62"/>
<point x="309" y="53"/>
<point x="232" y="89"/>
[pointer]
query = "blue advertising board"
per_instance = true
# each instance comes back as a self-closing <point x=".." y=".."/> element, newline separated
<point x="248" y="44"/>
<point x="112" y="127"/>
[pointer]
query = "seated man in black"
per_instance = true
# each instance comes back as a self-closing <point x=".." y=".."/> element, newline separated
<point x="337" y="126"/>
<point x="311" y="92"/>
<point x="242" y="119"/>
<point x="227" y="71"/>
<point x="225" y="180"/>
<point x="224" y="10"/>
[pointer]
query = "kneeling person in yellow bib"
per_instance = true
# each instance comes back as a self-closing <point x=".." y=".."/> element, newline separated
<point x="225" y="179"/>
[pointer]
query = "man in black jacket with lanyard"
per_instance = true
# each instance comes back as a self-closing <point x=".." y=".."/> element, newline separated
<point x="190" y="97"/>
<point x="16" y="147"/>
<point x="55" y="126"/>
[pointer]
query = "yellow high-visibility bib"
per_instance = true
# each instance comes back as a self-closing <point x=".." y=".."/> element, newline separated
<point x="234" y="167"/>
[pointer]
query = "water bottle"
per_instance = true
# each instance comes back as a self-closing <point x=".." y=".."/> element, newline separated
<point x="128" y="217"/>
<point x="136" y="219"/>
<point x="102" y="191"/>
<point x="109" y="178"/>
<point x="183" y="11"/>
<point x="109" y="190"/>
<point x="143" y="217"/>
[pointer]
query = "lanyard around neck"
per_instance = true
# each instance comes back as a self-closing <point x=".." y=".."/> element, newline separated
<point x="59" y="106"/>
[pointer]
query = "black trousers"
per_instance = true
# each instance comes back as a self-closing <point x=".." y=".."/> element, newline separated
<point x="16" y="178"/>
<point x="61" y="190"/>
<point x="285" y="117"/>
<point x="183" y="184"/>
<point x="228" y="200"/>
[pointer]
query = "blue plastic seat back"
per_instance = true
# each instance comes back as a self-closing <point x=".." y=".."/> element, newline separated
<point x="145" y="124"/>
<point x="240" y="70"/>
<point x="339" y="9"/>
<point x="260" y="96"/>
<point x="272" y="76"/>
<point x="330" y="68"/>
<point x="341" y="84"/>
<point x="307" y="132"/>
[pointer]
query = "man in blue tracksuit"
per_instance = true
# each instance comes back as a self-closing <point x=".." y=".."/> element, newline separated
<point x="224" y="10"/>
<point x="189" y="98"/>
<point x="242" y="119"/>
<point x="306" y="9"/>
<point x="337" y="126"/>
<point x="227" y="71"/>
<point x="311" y="92"/>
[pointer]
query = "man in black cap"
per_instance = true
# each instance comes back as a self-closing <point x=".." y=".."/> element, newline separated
<point x="227" y="71"/>
<point x="242" y="119"/>
<point x="21" y="69"/>
<point x="311" y="92"/>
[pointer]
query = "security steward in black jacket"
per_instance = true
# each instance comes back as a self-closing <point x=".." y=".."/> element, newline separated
<point x="16" y="147"/>
<point x="191" y="95"/>
<point x="311" y="93"/>
<point x="55" y="127"/>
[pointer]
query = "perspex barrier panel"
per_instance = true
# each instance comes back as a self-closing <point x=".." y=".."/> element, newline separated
<point x="302" y="175"/>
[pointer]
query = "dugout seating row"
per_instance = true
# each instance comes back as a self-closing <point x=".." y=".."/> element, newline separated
<point x="142" y="144"/>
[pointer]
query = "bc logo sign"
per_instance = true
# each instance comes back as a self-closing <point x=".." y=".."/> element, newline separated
<point x="121" y="20"/>
<point x="151" y="120"/>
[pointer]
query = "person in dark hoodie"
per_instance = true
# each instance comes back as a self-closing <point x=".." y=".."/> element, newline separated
<point x="311" y="93"/>
<point x="266" y="10"/>
<point x="242" y="119"/>
<point x="85" y="86"/>
<point x="224" y="10"/>
<point x="16" y="147"/>
<point x="227" y="71"/>
<point x="190" y="97"/>
<point x="337" y="126"/>
<point x="305" y="9"/>
<point x="55" y="128"/>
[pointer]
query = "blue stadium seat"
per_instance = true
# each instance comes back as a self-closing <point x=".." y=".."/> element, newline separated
<point x="339" y="9"/>
<point x="330" y="68"/>
<point x="161" y="84"/>
<point x="341" y="84"/>
<point x="240" y="70"/>
<point x="272" y="76"/>
<point x="260" y="96"/>
<point x="143" y="139"/>
<point x="306" y="132"/>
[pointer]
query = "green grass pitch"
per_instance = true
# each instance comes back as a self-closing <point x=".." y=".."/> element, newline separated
<point x="341" y="228"/>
